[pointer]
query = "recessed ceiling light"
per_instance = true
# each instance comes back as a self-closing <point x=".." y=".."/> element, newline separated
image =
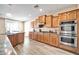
<point x="41" y="9"/>
<point x="8" y="14"/>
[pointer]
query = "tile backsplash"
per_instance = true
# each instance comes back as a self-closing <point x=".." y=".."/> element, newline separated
<point x="55" y="30"/>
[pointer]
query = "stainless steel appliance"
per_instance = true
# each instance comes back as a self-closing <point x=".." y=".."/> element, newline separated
<point x="68" y="33"/>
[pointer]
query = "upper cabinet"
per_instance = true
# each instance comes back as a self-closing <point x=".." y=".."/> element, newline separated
<point x="42" y="19"/>
<point x="71" y="15"/>
<point x="55" y="21"/>
<point x="62" y="16"/>
<point x="49" y="21"/>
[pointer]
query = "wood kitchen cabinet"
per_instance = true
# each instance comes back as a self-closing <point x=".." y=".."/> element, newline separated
<point x="62" y="17"/>
<point x="55" y="21"/>
<point x="13" y="39"/>
<point x="54" y="39"/>
<point x="20" y="38"/>
<point x="42" y="19"/>
<point x="46" y="38"/>
<point x="39" y="37"/>
<point x="42" y="37"/>
<point x="16" y="38"/>
<point x="35" y="35"/>
<point x="71" y="15"/>
<point x="49" y="21"/>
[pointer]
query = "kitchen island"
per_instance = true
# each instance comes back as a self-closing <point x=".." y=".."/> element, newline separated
<point x="5" y="46"/>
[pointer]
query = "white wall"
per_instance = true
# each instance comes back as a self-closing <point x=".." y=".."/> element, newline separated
<point x="2" y="26"/>
<point x="27" y="27"/>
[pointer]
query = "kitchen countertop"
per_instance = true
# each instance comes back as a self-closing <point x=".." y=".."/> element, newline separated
<point x="5" y="46"/>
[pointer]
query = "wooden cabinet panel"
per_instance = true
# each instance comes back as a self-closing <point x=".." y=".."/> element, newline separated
<point x="71" y="15"/>
<point x="20" y="37"/>
<point x="41" y="37"/>
<point x="62" y="17"/>
<point x="42" y="19"/>
<point x="54" y="40"/>
<point x="46" y="38"/>
<point x="16" y="38"/>
<point x="49" y="21"/>
<point x="55" y="21"/>
<point x="35" y="35"/>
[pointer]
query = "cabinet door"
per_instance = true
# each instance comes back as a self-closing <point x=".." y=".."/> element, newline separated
<point x="35" y="36"/>
<point x="62" y="17"/>
<point x="54" y="40"/>
<point x="15" y="37"/>
<point x="42" y="19"/>
<point x="72" y="15"/>
<point x="20" y="37"/>
<point x="49" y="21"/>
<point x="55" y="22"/>
<point x="46" y="37"/>
<point x="41" y="37"/>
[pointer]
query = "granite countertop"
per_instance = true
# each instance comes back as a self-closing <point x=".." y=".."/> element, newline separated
<point x="5" y="46"/>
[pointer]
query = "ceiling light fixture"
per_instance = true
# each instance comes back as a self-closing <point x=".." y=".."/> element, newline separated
<point x="41" y="10"/>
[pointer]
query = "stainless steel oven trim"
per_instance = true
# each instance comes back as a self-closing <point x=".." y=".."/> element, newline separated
<point x="69" y="44"/>
<point x="70" y="31"/>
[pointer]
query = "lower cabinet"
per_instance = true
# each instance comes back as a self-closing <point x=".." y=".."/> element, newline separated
<point x="40" y="37"/>
<point x="35" y="36"/>
<point x="54" y="40"/>
<point x="20" y="38"/>
<point x="46" y="38"/>
<point x="13" y="39"/>
<point x="16" y="38"/>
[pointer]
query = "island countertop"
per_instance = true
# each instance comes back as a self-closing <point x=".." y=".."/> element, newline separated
<point x="5" y="46"/>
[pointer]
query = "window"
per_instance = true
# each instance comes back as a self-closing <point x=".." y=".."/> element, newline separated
<point x="11" y="26"/>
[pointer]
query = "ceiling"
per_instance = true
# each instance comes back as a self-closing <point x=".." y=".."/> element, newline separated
<point x="26" y="12"/>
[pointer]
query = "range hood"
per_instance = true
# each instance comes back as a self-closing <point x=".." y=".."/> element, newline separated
<point x="40" y="25"/>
